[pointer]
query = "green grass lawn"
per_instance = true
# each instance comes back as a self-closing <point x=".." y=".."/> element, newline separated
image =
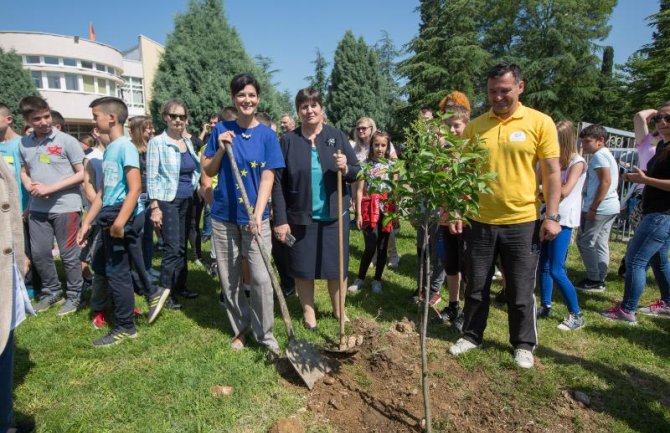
<point x="161" y="381"/>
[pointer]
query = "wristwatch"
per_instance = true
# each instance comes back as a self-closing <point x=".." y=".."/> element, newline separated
<point x="554" y="217"/>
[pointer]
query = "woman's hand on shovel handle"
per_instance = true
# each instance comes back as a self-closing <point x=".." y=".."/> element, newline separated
<point x="225" y="137"/>
<point x="341" y="162"/>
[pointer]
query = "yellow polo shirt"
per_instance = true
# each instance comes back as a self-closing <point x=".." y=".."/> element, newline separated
<point x="515" y="145"/>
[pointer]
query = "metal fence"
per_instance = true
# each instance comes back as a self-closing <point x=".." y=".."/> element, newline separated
<point x="622" y="145"/>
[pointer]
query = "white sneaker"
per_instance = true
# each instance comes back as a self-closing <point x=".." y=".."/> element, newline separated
<point x="524" y="358"/>
<point x="376" y="286"/>
<point x="394" y="262"/>
<point x="356" y="286"/>
<point x="462" y="345"/>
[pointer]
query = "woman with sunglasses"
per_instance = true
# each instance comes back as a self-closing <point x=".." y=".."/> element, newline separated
<point x="651" y="242"/>
<point x="173" y="171"/>
<point x="365" y="127"/>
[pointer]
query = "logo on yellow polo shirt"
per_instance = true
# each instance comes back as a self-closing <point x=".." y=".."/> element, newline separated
<point x="517" y="136"/>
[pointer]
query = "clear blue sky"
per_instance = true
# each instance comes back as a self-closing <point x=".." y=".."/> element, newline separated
<point x="287" y="31"/>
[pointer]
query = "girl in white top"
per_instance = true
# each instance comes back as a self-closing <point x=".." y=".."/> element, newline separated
<point x="554" y="253"/>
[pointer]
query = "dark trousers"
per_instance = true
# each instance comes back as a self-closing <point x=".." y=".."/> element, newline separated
<point x="32" y="278"/>
<point x="117" y="255"/>
<point x="194" y="233"/>
<point x="176" y="222"/>
<point x="519" y="248"/>
<point x="43" y="227"/>
<point x="376" y="241"/>
<point x="147" y="238"/>
<point x="6" y="373"/>
<point x="135" y="243"/>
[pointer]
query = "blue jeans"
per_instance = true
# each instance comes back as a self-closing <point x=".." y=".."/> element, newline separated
<point x="6" y="372"/>
<point x="552" y="269"/>
<point x="207" y="221"/>
<point x="649" y="246"/>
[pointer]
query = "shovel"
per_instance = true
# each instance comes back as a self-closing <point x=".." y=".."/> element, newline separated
<point x="345" y="347"/>
<point x="303" y="356"/>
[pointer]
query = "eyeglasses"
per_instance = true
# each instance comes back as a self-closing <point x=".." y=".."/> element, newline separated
<point x="363" y="128"/>
<point x="657" y="118"/>
<point x="181" y="117"/>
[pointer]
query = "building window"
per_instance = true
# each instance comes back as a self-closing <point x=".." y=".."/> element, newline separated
<point x="53" y="80"/>
<point x="33" y="60"/>
<point x="133" y="92"/>
<point x="86" y="65"/>
<point x="71" y="82"/>
<point x="100" y="67"/>
<point x="89" y="84"/>
<point x="112" y="88"/>
<point x="102" y="86"/>
<point x="37" y="78"/>
<point x="69" y="62"/>
<point x="51" y="60"/>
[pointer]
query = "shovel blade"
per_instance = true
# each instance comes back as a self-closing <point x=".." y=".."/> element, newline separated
<point x="306" y="361"/>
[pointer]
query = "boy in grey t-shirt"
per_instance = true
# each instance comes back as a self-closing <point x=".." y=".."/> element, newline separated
<point x="52" y="171"/>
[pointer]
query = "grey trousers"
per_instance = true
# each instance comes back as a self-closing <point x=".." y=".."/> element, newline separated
<point x="256" y="313"/>
<point x="43" y="227"/>
<point x="593" y="242"/>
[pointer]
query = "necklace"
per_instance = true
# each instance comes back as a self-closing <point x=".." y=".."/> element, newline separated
<point x="246" y="132"/>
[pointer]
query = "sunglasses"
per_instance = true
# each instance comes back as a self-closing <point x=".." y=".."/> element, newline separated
<point x="181" y="117"/>
<point x="363" y="128"/>
<point x="657" y="118"/>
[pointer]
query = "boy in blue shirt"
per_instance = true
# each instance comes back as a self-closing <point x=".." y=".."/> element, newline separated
<point x="121" y="219"/>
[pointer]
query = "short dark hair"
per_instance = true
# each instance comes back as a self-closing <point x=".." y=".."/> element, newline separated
<point x="32" y="104"/>
<point x="594" y="131"/>
<point x="57" y="119"/>
<point x="112" y="105"/>
<point x="240" y="81"/>
<point x="503" y="68"/>
<point x="308" y="94"/>
<point x="228" y="114"/>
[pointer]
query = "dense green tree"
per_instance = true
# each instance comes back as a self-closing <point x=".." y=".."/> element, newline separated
<point x="15" y="83"/>
<point x="355" y="85"/>
<point x="319" y="80"/>
<point x="610" y="106"/>
<point x="447" y="53"/>
<point x="649" y="84"/>
<point x="391" y="91"/>
<point x="202" y="54"/>
<point x="554" y="43"/>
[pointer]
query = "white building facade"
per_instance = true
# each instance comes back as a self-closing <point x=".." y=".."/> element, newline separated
<point x="70" y="72"/>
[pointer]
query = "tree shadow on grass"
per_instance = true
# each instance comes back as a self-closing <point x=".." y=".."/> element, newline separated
<point x="654" y="340"/>
<point x="632" y="394"/>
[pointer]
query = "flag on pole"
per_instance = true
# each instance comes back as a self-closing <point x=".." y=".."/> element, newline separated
<point x="91" y="31"/>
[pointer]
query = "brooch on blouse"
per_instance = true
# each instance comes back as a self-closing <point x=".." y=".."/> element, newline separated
<point x="331" y="142"/>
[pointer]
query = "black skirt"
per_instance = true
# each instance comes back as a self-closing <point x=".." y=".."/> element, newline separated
<point x="314" y="255"/>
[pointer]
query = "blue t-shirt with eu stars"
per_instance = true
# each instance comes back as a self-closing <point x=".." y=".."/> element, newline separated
<point x="257" y="152"/>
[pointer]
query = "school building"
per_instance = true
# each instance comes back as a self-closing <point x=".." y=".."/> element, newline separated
<point x="70" y="72"/>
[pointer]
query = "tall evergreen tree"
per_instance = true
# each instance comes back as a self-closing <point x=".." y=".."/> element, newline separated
<point x="649" y="84"/>
<point x="391" y="92"/>
<point x="202" y="54"/>
<point x="15" y="83"/>
<point x="447" y="53"/>
<point x="355" y="85"/>
<point x="555" y="45"/>
<point x="610" y="106"/>
<point x="319" y="80"/>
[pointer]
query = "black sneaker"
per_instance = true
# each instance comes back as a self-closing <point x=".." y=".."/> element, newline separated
<point x="47" y="302"/>
<point x="450" y="313"/>
<point x="288" y="291"/>
<point x="171" y="304"/>
<point x="115" y="336"/>
<point x="156" y="302"/>
<point x="587" y="285"/>
<point x="544" y="312"/>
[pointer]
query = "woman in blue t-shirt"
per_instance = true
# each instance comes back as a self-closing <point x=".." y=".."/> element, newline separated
<point x="257" y="155"/>
<point x="173" y="171"/>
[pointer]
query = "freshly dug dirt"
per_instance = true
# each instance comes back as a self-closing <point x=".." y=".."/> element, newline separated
<point x="379" y="390"/>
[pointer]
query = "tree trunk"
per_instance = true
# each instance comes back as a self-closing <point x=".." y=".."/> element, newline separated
<point x="424" y="265"/>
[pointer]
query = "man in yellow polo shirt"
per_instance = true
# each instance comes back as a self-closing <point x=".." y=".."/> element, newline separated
<point x="509" y="224"/>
